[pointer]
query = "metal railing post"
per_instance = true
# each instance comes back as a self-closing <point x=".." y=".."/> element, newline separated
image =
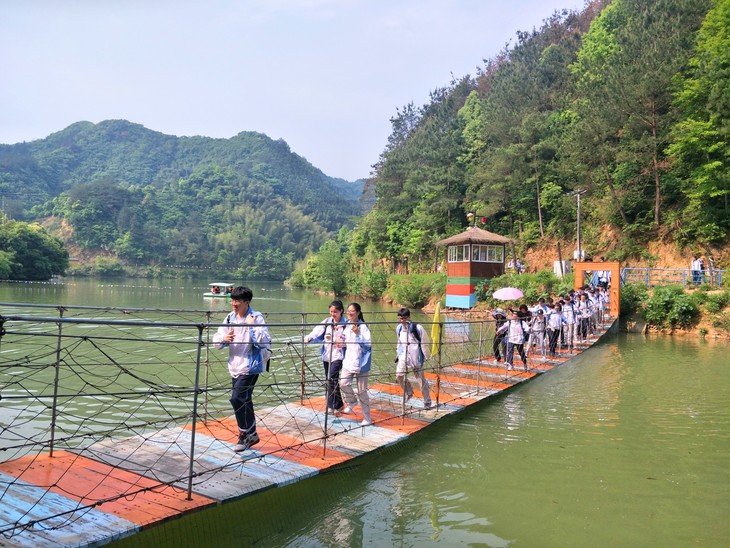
<point x="479" y="356"/>
<point x="54" y="407"/>
<point x="302" y="375"/>
<point x="438" y="364"/>
<point x="327" y="388"/>
<point x="405" y="375"/>
<point x="196" y="391"/>
<point x="207" y="367"/>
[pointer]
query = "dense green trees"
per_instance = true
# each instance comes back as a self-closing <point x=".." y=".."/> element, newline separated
<point x="701" y="136"/>
<point x="28" y="252"/>
<point x="627" y="100"/>
<point x="624" y="74"/>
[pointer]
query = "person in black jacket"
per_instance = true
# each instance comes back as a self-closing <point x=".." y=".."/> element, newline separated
<point x="499" y="346"/>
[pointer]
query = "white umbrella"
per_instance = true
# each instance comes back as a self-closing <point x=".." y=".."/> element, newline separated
<point x="508" y="294"/>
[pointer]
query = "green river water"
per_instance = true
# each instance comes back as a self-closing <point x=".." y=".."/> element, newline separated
<point x="626" y="445"/>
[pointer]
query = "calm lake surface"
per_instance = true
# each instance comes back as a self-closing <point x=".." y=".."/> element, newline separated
<point x="627" y="445"/>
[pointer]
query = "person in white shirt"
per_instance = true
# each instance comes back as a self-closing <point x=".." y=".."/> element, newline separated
<point x="585" y="311"/>
<point x="331" y="333"/>
<point x="515" y="331"/>
<point x="696" y="268"/>
<point x="554" y="328"/>
<point x="537" y="333"/>
<point x="412" y="351"/>
<point x="356" y="364"/>
<point x="247" y="338"/>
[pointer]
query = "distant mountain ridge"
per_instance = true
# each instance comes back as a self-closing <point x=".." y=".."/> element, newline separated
<point x="242" y="186"/>
<point x="133" y="154"/>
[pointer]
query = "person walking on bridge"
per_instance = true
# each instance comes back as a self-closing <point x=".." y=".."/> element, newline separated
<point x="331" y="333"/>
<point x="247" y="338"/>
<point x="411" y="354"/>
<point x="356" y="364"/>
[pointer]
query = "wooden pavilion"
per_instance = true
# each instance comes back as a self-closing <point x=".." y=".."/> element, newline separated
<point x="473" y="256"/>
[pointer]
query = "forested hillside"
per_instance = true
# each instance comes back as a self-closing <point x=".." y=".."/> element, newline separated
<point x="628" y="101"/>
<point x="244" y="203"/>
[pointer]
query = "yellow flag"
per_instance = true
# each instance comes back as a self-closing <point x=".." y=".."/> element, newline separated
<point x="436" y="330"/>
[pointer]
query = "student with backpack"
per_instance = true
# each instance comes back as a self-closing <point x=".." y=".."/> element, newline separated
<point x="356" y="364"/>
<point x="515" y="331"/>
<point x="411" y="354"/>
<point x="247" y="338"/>
<point x="554" y="329"/>
<point x="499" y="345"/>
<point x="537" y="333"/>
<point x="331" y="333"/>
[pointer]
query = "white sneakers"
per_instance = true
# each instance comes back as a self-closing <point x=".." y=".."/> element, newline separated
<point x="366" y="422"/>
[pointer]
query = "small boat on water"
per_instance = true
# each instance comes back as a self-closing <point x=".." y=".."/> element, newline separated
<point x="219" y="289"/>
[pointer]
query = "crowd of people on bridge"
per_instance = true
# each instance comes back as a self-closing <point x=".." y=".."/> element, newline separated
<point x="346" y="347"/>
<point x="549" y="323"/>
<point x="346" y="354"/>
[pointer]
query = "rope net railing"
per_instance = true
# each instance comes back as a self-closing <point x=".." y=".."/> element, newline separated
<point x="107" y="384"/>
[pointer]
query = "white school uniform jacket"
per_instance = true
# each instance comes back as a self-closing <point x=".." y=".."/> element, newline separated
<point x="538" y="323"/>
<point x="556" y="320"/>
<point x="410" y="352"/>
<point x="585" y="309"/>
<point x="332" y="336"/>
<point x="516" y="330"/>
<point x="251" y="346"/>
<point x="358" y="349"/>
<point x="569" y="313"/>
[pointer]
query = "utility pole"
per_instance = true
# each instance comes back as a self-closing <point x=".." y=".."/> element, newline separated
<point x="577" y="194"/>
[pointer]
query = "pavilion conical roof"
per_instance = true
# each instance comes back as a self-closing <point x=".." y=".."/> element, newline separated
<point x="474" y="235"/>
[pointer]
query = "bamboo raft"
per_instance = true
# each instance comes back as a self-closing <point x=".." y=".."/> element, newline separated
<point x="93" y="493"/>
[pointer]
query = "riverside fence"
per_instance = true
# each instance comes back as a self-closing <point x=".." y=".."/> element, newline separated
<point x="667" y="276"/>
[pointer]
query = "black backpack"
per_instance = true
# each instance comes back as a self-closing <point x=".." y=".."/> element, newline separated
<point x="417" y="336"/>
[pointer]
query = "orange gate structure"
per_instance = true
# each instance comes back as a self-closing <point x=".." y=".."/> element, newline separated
<point x="613" y="271"/>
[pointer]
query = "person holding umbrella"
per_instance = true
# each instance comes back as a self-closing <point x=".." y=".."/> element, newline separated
<point x="500" y="318"/>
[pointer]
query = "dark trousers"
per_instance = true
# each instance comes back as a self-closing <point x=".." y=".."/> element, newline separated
<point x="497" y="345"/>
<point x="511" y="352"/>
<point x="332" y="373"/>
<point x="583" y="327"/>
<point x="553" y="334"/>
<point x="242" y="402"/>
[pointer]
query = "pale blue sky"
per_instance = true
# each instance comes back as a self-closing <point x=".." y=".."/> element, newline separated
<point x="324" y="75"/>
